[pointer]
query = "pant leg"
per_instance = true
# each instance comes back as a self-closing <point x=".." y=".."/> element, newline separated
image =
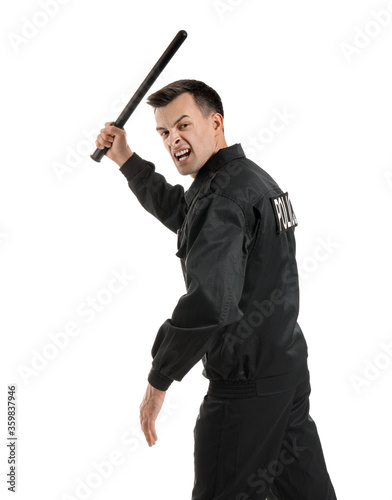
<point x="207" y="433"/>
<point x="246" y="449"/>
<point x="237" y="444"/>
<point x="305" y="475"/>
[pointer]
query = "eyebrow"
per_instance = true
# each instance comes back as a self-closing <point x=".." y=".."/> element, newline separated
<point x="175" y="123"/>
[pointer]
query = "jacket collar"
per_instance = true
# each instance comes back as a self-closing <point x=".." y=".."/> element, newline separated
<point x="210" y="167"/>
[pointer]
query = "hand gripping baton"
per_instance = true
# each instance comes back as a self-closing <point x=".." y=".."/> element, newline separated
<point x="143" y="89"/>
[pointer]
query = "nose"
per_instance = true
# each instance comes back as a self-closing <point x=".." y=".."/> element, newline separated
<point x="174" y="139"/>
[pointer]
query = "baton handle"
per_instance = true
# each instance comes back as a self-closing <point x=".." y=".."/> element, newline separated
<point x="144" y="87"/>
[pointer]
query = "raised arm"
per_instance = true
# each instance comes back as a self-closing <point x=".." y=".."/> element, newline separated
<point x="161" y="199"/>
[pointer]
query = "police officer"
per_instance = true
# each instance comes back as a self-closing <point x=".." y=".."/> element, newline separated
<point x="254" y="437"/>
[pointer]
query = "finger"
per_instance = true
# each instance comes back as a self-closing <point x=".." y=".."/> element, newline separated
<point x="112" y="130"/>
<point x="148" y="432"/>
<point x="150" y="440"/>
<point x="108" y="125"/>
<point x="105" y="143"/>
<point x="100" y="143"/>
<point x="153" y="431"/>
<point x="105" y="134"/>
<point x="148" y="437"/>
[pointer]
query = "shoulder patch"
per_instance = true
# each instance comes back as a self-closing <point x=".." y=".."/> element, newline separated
<point x="284" y="213"/>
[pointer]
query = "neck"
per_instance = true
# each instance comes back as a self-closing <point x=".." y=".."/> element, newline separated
<point x="221" y="144"/>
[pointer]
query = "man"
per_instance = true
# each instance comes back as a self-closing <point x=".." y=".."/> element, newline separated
<point x="254" y="437"/>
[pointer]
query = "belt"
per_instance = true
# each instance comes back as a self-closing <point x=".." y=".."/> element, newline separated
<point x="236" y="389"/>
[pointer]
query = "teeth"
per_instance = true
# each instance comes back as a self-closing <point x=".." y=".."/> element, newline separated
<point x="180" y="153"/>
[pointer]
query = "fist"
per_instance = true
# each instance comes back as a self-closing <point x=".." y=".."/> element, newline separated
<point x="115" y="139"/>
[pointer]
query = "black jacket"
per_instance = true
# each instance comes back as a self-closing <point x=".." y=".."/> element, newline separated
<point x="236" y="243"/>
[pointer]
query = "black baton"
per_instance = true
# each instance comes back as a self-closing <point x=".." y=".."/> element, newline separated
<point x="143" y="89"/>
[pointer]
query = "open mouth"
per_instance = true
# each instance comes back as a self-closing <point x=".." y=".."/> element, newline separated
<point x="182" y="155"/>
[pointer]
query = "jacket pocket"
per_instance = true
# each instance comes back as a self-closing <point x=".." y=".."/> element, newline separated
<point x="181" y="244"/>
<point x="181" y="252"/>
<point x="181" y="240"/>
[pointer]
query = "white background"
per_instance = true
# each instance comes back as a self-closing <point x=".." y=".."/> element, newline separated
<point x="62" y="235"/>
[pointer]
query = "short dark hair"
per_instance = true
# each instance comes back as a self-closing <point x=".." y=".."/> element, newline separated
<point x="206" y="98"/>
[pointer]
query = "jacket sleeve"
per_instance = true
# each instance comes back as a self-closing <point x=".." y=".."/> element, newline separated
<point x="214" y="255"/>
<point x="156" y="195"/>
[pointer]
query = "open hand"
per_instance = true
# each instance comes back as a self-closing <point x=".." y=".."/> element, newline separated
<point x="149" y="409"/>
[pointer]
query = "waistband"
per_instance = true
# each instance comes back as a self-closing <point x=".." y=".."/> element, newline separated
<point x="236" y="389"/>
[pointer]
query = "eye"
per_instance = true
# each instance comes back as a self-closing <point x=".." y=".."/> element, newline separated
<point x="164" y="133"/>
<point x="184" y="125"/>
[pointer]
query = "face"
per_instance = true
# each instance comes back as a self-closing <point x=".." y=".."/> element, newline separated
<point x="185" y="130"/>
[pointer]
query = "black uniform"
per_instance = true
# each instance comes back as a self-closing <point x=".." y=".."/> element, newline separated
<point x="236" y="243"/>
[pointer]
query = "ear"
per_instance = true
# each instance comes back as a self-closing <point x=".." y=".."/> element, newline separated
<point x="217" y="123"/>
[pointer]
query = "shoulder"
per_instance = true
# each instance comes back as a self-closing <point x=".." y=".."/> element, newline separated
<point x="243" y="181"/>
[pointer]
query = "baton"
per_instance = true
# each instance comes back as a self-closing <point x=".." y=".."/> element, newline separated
<point x="143" y="89"/>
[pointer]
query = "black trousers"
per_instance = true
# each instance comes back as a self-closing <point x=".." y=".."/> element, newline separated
<point x="260" y="447"/>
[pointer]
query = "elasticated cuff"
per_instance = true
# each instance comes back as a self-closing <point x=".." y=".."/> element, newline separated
<point x="159" y="381"/>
